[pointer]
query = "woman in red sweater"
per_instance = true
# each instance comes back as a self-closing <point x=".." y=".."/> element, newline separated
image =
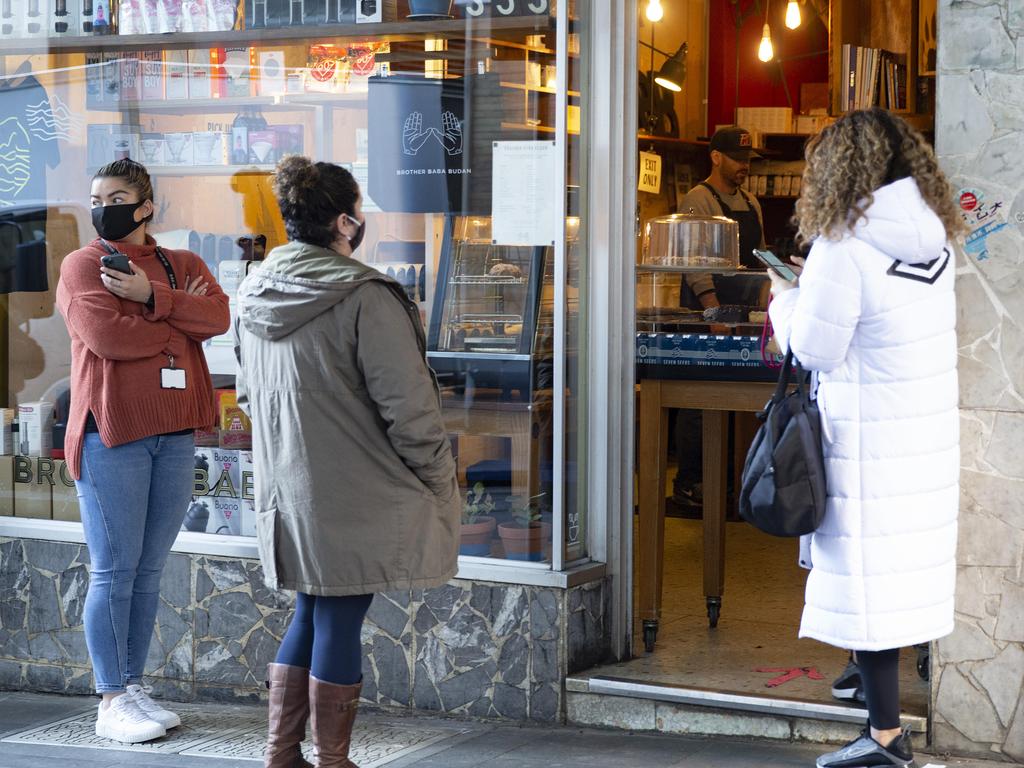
<point x="140" y="386"/>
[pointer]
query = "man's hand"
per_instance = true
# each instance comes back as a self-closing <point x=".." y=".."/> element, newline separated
<point x="133" y="287"/>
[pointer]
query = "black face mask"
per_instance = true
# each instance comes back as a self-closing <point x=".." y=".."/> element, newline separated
<point x="357" y="238"/>
<point x="116" y="222"/>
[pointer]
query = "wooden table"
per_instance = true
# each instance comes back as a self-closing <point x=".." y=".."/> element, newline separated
<point x="716" y="399"/>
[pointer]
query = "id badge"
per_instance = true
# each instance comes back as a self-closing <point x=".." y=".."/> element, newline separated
<point x="172" y="378"/>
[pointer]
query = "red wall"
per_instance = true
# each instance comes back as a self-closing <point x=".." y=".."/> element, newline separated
<point x="760" y="84"/>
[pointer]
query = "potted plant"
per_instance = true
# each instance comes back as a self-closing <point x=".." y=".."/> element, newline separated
<point x="477" y="524"/>
<point x="525" y="536"/>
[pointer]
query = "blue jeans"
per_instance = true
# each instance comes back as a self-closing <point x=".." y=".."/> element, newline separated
<point x="133" y="499"/>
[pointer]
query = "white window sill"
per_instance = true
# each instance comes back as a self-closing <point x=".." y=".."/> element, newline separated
<point x="470" y="568"/>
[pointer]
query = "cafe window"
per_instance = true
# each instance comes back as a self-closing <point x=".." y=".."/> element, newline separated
<point x="450" y="115"/>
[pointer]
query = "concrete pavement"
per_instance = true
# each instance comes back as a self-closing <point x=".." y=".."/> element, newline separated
<point x="39" y="731"/>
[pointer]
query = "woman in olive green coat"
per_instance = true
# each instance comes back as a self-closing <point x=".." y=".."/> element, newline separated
<point x="355" y="481"/>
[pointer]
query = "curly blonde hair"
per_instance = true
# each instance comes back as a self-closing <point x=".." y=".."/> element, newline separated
<point x="860" y="152"/>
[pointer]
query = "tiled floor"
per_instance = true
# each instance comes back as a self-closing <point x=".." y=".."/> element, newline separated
<point x="761" y="608"/>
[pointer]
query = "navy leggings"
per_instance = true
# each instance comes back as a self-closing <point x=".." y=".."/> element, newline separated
<point x="324" y="637"/>
<point x="880" y="677"/>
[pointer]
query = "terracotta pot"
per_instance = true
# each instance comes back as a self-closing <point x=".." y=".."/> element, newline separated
<point x="524" y="543"/>
<point x="475" y="538"/>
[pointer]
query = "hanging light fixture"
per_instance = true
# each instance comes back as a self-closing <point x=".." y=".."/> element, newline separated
<point x="654" y="11"/>
<point x="766" y="51"/>
<point x="793" y="14"/>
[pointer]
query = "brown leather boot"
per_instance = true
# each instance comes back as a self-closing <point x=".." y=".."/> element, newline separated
<point x="332" y="711"/>
<point x="289" y="710"/>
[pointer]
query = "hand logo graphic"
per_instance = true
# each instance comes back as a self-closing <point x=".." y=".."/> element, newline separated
<point x="413" y="135"/>
<point x="452" y="136"/>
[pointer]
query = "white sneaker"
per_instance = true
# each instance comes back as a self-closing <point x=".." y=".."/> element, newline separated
<point x="124" y="721"/>
<point x="140" y="695"/>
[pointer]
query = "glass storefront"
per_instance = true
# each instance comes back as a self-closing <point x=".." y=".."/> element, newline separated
<point x="464" y="123"/>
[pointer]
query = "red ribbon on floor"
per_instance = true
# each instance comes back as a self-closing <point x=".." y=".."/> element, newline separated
<point x="790" y="673"/>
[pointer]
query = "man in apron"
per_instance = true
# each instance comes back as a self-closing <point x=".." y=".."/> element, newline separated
<point x="720" y="194"/>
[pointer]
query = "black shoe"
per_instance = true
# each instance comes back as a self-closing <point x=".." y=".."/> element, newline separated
<point x="847" y="686"/>
<point x="865" y="752"/>
<point x="688" y="496"/>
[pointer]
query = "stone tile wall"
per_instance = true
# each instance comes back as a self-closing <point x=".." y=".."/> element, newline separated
<point x="978" y="696"/>
<point x="478" y="649"/>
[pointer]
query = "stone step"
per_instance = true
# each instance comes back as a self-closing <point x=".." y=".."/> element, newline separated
<point x="637" y="705"/>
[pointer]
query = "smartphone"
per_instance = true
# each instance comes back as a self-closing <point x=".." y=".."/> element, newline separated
<point x="117" y="262"/>
<point x="775" y="264"/>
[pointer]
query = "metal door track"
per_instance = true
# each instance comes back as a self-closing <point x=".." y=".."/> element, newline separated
<point x="701" y="697"/>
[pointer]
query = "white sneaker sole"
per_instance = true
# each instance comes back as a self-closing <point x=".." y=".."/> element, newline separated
<point x="135" y="736"/>
<point x="844" y="693"/>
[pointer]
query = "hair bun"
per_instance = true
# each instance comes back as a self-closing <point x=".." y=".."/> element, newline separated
<point x="294" y="177"/>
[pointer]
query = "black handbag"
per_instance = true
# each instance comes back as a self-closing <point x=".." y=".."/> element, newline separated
<point x="783" y="488"/>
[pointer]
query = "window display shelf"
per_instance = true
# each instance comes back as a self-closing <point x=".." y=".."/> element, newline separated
<point x="209" y="170"/>
<point x="288" y="101"/>
<point x="392" y="31"/>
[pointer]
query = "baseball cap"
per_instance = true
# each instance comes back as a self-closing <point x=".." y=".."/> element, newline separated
<point x="734" y="142"/>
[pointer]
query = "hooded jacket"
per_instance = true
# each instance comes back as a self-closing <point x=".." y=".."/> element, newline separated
<point x="354" y="478"/>
<point x="874" y="316"/>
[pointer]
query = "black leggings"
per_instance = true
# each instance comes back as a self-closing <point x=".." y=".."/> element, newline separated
<point x="880" y="677"/>
<point x="324" y="637"/>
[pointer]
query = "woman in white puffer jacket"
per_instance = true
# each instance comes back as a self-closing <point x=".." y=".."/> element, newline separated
<point x="874" y="317"/>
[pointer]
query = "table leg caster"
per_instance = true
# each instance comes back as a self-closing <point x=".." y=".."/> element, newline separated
<point x="714" y="610"/>
<point x="650" y="634"/>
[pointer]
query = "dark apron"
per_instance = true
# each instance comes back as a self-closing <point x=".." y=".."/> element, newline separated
<point x="734" y="289"/>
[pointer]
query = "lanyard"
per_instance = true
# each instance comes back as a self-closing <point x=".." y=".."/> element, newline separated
<point x="159" y="254"/>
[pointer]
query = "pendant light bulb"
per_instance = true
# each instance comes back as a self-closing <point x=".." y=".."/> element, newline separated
<point x="654" y="11"/>
<point x="765" y="51"/>
<point x="793" y="14"/>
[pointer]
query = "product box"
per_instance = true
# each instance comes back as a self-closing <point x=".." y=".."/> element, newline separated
<point x="32" y="21"/>
<point x="93" y="80"/>
<point x="102" y="18"/>
<point x="112" y="78"/>
<point x="65" y="18"/>
<point x="247" y="494"/>
<point x="152" y="149"/>
<point x="238" y="71"/>
<point x="289" y="139"/>
<point x="199" y="86"/>
<point x="152" y="70"/>
<point x="32" y="492"/>
<point x="176" y="74"/>
<point x="207" y="438"/>
<point x="64" y="494"/>
<point x="263" y="147"/>
<point x="235" y="427"/>
<point x="35" y="428"/>
<point x="238" y="153"/>
<point x="226" y="516"/>
<point x="272" y="73"/>
<point x="125" y="143"/>
<point x="6" y="432"/>
<point x="209" y="148"/>
<point x="131" y="80"/>
<point x="369" y="11"/>
<point x="179" y="149"/>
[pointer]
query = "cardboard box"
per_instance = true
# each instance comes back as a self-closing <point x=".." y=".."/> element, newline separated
<point x="199" y="83"/>
<point x="209" y="148"/>
<point x="93" y="80"/>
<point x="131" y="80"/>
<point x="102" y="18"/>
<point x="35" y="422"/>
<point x="151" y="63"/>
<point x="263" y="147"/>
<point x="64" y="494"/>
<point x="126" y="144"/>
<point x="239" y="151"/>
<point x="32" y="494"/>
<point x="290" y="139"/>
<point x="111" y="74"/>
<point x="176" y="74"/>
<point x="369" y="11"/>
<point x="272" y="73"/>
<point x="179" y="149"/>
<point x="7" y="486"/>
